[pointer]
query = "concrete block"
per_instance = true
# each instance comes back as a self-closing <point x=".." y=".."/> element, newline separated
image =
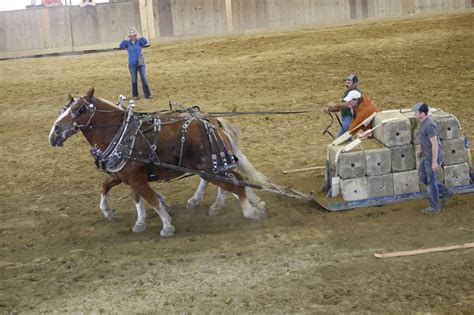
<point x="414" y="125"/>
<point x="406" y="182"/>
<point x="350" y="164"/>
<point x="380" y="185"/>
<point x="378" y="161"/>
<point x="449" y="128"/>
<point x="448" y="125"/>
<point x="403" y="158"/>
<point x="454" y="151"/>
<point x="354" y="188"/>
<point x="395" y="132"/>
<point x="456" y="175"/>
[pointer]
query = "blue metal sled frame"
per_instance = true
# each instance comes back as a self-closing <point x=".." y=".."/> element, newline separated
<point x="377" y="201"/>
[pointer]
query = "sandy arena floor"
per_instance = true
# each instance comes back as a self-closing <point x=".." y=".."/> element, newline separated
<point x="57" y="254"/>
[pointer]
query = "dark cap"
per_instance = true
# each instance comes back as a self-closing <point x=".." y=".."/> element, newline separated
<point x="421" y="107"/>
<point x="352" y="78"/>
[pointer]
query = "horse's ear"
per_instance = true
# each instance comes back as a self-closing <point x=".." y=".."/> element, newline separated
<point x="71" y="99"/>
<point x="90" y="94"/>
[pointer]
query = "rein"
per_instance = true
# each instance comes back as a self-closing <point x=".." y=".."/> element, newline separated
<point x="226" y="114"/>
<point x="326" y="131"/>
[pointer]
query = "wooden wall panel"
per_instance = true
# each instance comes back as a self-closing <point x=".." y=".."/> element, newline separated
<point x="65" y="28"/>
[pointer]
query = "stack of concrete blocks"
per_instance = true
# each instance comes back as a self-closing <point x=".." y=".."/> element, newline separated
<point x="364" y="171"/>
<point x="387" y="165"/>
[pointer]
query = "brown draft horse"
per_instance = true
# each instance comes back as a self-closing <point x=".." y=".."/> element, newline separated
<point x="174" y="139"/>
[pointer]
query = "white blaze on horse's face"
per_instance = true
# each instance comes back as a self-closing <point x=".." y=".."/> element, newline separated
<point x="63" y="127"/>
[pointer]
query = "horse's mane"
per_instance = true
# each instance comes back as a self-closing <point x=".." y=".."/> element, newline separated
<point x="107" y="102"/>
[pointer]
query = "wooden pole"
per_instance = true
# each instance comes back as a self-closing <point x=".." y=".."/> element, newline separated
<point x="147" y="19"/>
<point x="228" y="14"/>
<point x="304" y="169"/>
<point x="424" y="251"/>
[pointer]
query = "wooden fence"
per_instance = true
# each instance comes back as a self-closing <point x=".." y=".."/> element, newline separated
<point x="72" y="28"/>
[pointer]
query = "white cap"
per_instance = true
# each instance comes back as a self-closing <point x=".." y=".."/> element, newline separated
<point x="352" y="95"/>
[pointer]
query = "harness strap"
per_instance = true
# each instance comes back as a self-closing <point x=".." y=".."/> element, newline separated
<point x="230" y="179"/>
<point x="202" y="174"/>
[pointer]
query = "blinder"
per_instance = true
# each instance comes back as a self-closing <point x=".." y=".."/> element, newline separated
<point x="77" y="111"/>
<point x="79" y="107"/>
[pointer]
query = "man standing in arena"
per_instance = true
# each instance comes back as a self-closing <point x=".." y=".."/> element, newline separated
<point x="431" y="154"/>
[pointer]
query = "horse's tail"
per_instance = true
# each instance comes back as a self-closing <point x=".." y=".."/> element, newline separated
<point x="243" y="163"/>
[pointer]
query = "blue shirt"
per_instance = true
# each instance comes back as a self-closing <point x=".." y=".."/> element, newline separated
<point x="134" y="50"/>
<point x="428" y="129"/>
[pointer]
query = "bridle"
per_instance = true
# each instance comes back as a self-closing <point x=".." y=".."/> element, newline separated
<point x="77" y="112"/>
<point x="89" y="107"/>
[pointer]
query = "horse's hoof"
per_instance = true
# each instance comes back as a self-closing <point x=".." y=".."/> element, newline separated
<point x="257" y="214"/>
<point x="192" y="203"/>
<point x="167" y="231"/>
<point x="214" y="211"/>
<point x="110" y="214"/>
<point x="140" y="227"/>
<point x="260" y="206"/>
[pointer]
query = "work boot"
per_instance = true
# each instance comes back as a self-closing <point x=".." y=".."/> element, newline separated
<point x="430" y="210"/>
<point x="446" y="197"/>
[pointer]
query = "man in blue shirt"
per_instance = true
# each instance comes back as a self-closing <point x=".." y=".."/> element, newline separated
<point x="136" y="62"/>
<point x="431" y="155"/>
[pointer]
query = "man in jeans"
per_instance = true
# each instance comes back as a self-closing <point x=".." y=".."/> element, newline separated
<point x="136" y="62"/>
<point x="431" y="155"/>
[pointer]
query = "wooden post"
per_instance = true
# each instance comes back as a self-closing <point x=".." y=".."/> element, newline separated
<point x="46" y="30"/>
<point x="228" y="14"/>
<point x="146" y="18"/>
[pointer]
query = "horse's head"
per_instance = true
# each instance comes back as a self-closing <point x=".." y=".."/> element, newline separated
<point x="75" y="115"/>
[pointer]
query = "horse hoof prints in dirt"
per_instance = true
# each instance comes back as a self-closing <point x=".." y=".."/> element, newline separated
<point x="137" y="148"/>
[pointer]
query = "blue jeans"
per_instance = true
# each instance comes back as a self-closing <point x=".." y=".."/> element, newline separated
<point x="346" y="123"/>
<point x="134" y="69"/>
<point x="430" y="179"/>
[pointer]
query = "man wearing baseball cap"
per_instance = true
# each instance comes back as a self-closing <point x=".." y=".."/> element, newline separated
<point x="362" y="107"/>
<point x="351" y="83"/>
<point x="431" y="154"/>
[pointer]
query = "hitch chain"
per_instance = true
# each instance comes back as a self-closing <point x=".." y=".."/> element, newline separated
<point x="286" y="191"/>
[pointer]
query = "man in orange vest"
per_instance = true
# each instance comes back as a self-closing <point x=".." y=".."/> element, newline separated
<point x="362" y="107"/>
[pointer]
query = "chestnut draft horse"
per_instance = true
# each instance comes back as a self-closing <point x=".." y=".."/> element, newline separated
<point x="135" y="148"/>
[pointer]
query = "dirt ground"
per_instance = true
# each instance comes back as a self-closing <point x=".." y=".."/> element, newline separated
<point x="57" y="254"/>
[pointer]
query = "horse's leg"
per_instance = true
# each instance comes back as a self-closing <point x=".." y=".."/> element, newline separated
<point x="216" y="207"/>
<point x="163" y="202"/>
<point x="198" y="195"/>
<point x="107" y="184"/>
<point x="140" y="224"/>
<point x="143" y="189"/>
<point x="255" y="200"/>
<point x="250" y="211"/>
